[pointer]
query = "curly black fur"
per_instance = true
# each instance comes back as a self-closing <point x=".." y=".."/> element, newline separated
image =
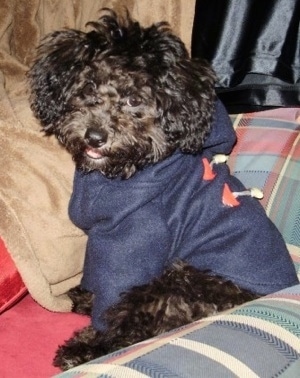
<point x="180" y="296"/>
<point x="82" y="300"/>
<point x="113" y="96"/>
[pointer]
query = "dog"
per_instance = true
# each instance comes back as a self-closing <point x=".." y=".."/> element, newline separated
<point x="172" y="236"/>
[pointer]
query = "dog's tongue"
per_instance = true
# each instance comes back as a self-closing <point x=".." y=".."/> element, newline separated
<point x="93" y="153"/>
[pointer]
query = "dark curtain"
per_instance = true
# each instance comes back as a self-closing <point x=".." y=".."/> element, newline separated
<point x="254" y="47"/>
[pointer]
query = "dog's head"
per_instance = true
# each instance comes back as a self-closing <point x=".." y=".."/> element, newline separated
<point x="121" y="96"/>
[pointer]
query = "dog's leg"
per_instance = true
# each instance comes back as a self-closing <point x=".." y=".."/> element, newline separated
<point x="84" y="346"/>
<point x="82" y="300"/>
<point x="180" y="296"/>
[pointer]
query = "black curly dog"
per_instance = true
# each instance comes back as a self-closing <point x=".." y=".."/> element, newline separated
<point x="122" y="99"/>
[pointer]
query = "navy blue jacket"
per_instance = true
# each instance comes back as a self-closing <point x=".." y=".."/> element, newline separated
<point x="176" y="209"/>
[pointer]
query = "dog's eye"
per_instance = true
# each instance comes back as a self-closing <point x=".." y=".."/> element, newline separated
<point x="88" y="89"/>
<point x="134" y="101"/>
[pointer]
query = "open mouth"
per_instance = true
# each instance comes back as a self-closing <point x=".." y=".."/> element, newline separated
<point x="93" y="153"/>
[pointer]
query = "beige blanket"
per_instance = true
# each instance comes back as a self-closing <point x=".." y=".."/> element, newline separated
<point x="35" y="172"/>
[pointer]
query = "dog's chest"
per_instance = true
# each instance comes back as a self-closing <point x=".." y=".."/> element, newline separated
<point x="172" y="194"/>
<point x="163" y="188"/>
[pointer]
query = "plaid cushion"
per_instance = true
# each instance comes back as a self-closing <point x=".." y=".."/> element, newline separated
<point x="259" y="339"/>
<point x="267" y="156"/>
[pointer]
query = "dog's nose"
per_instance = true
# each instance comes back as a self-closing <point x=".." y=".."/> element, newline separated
<point x="95" y="138"/>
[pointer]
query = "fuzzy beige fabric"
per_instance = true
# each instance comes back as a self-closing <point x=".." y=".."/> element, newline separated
<point x="35" y="172"/>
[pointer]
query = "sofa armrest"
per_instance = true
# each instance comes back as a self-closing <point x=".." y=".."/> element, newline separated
<point x="258" y="339"/>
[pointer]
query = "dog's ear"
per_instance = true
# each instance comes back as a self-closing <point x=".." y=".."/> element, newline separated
<point x="185" y="89"/>
<point x="60" y="58"/>
<point x="52" y="73"/>
<point x="186" y="104"/>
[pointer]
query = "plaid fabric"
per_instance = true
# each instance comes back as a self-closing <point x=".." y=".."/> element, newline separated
<point x="267" y="156"/>
<point x="259" y="339"/>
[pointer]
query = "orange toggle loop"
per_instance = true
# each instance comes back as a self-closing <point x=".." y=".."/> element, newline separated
<point x="208" y="173"/>
<point x="228" y="198"/>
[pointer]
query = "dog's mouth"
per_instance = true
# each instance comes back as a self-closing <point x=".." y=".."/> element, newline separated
<point x="94" y="153"/>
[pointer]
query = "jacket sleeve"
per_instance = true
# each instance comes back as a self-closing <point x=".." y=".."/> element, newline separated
<point x="130" y="254"/>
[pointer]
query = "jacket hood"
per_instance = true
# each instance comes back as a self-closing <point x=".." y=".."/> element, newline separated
<point x="97" y="199"/>
<point x="222" y="137"/>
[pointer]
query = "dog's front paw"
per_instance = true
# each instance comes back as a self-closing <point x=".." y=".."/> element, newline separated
<point x="69" y="356"/>
<point x="84" y="346"/>
<point x="82" y="300"/>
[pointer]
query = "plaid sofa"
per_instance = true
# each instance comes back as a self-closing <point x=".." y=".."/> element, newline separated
<point x="260" y="338"/>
